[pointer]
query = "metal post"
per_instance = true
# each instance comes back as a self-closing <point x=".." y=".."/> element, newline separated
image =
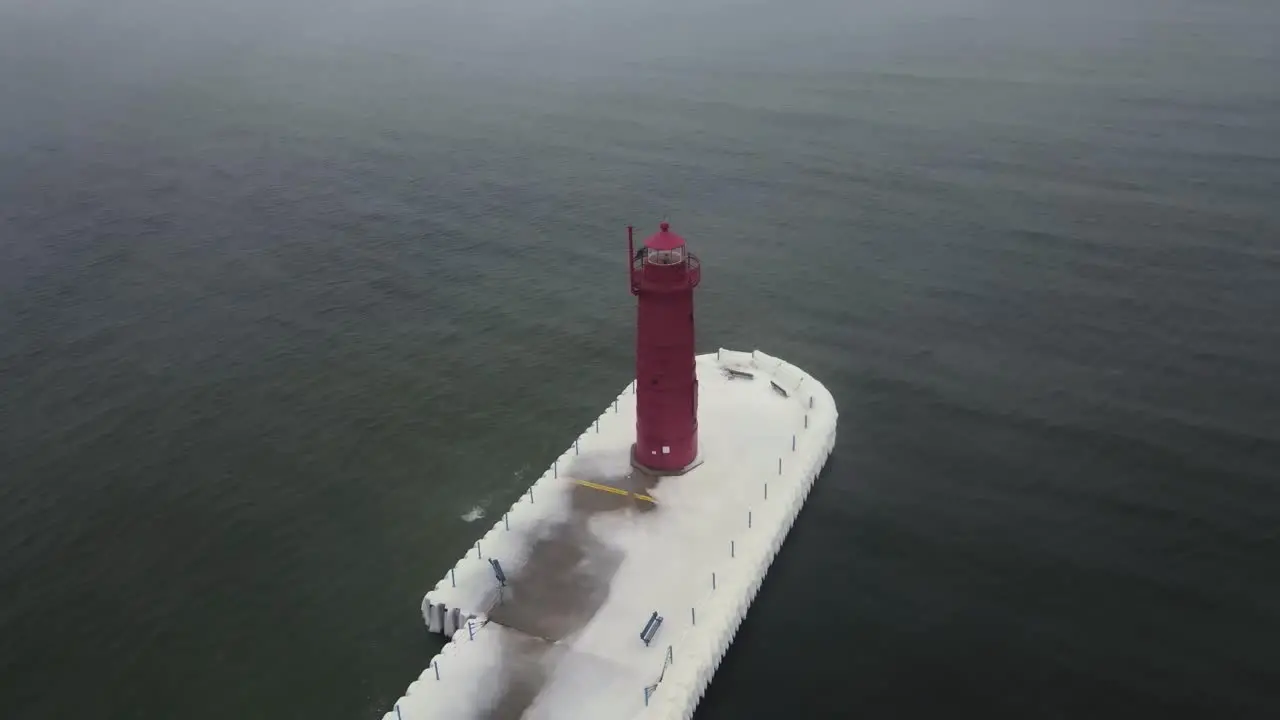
<point x="713" y="581"/>
<point x="507" y="520"/>
<point x="766" y="491"/>
<point x="555" y="470"/>
<point x="793" y="443"/>
<point x="748" y="518"/>
<point x="693" y="614"/>
<point x="732" y="552"/>
<point x="471" y="629"/>
<point x="478" y="548"/>
<point x="575" y="447"/>
<point x="597" y="424"/>
<point x="806" y="421"/>
<point x="453" y="576"/>
<point x="780" y="464"/>
<point x="436" y="665"/>
<point x="810" y="402"/>
<point x="398" y="715"/>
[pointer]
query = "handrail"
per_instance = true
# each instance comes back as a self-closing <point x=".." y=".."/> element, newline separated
<point x="691" y="264"/>
<point x="667" y="661"/>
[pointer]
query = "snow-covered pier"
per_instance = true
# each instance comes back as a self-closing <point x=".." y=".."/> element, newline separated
<point x="607" y="592"/>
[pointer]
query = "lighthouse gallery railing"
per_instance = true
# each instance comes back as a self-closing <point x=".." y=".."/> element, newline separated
<point x="692" y="268"/>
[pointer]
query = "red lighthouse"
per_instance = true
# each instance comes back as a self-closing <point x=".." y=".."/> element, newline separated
<point x="663" y="276"/>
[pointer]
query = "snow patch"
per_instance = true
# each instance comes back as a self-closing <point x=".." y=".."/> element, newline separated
<point x="696" y="552"/>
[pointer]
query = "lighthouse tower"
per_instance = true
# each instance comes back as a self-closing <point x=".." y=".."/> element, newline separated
<point x="663" y="276"/>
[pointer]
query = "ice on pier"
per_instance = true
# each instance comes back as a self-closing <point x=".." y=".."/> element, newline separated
<point x="594" y="548"/>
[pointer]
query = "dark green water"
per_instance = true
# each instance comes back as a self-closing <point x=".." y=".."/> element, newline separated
<point x="289" y="288"/>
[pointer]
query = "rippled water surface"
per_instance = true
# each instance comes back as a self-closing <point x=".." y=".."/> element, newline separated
<point x="293" y="293"/>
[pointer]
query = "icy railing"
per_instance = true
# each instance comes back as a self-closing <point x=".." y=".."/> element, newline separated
<point x="733" y="586"/>
<point x="692" y="270"/>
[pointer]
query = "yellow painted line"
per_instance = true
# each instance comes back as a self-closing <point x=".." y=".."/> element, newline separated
<point x="614" y="490"/>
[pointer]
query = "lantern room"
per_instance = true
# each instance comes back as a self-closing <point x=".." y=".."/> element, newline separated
<point x="664" y="264"/>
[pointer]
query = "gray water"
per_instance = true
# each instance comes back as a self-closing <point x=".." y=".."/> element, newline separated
<point x="289" y="289"/>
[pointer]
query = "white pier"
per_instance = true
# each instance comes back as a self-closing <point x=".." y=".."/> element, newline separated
<point x="594" y="548"/>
